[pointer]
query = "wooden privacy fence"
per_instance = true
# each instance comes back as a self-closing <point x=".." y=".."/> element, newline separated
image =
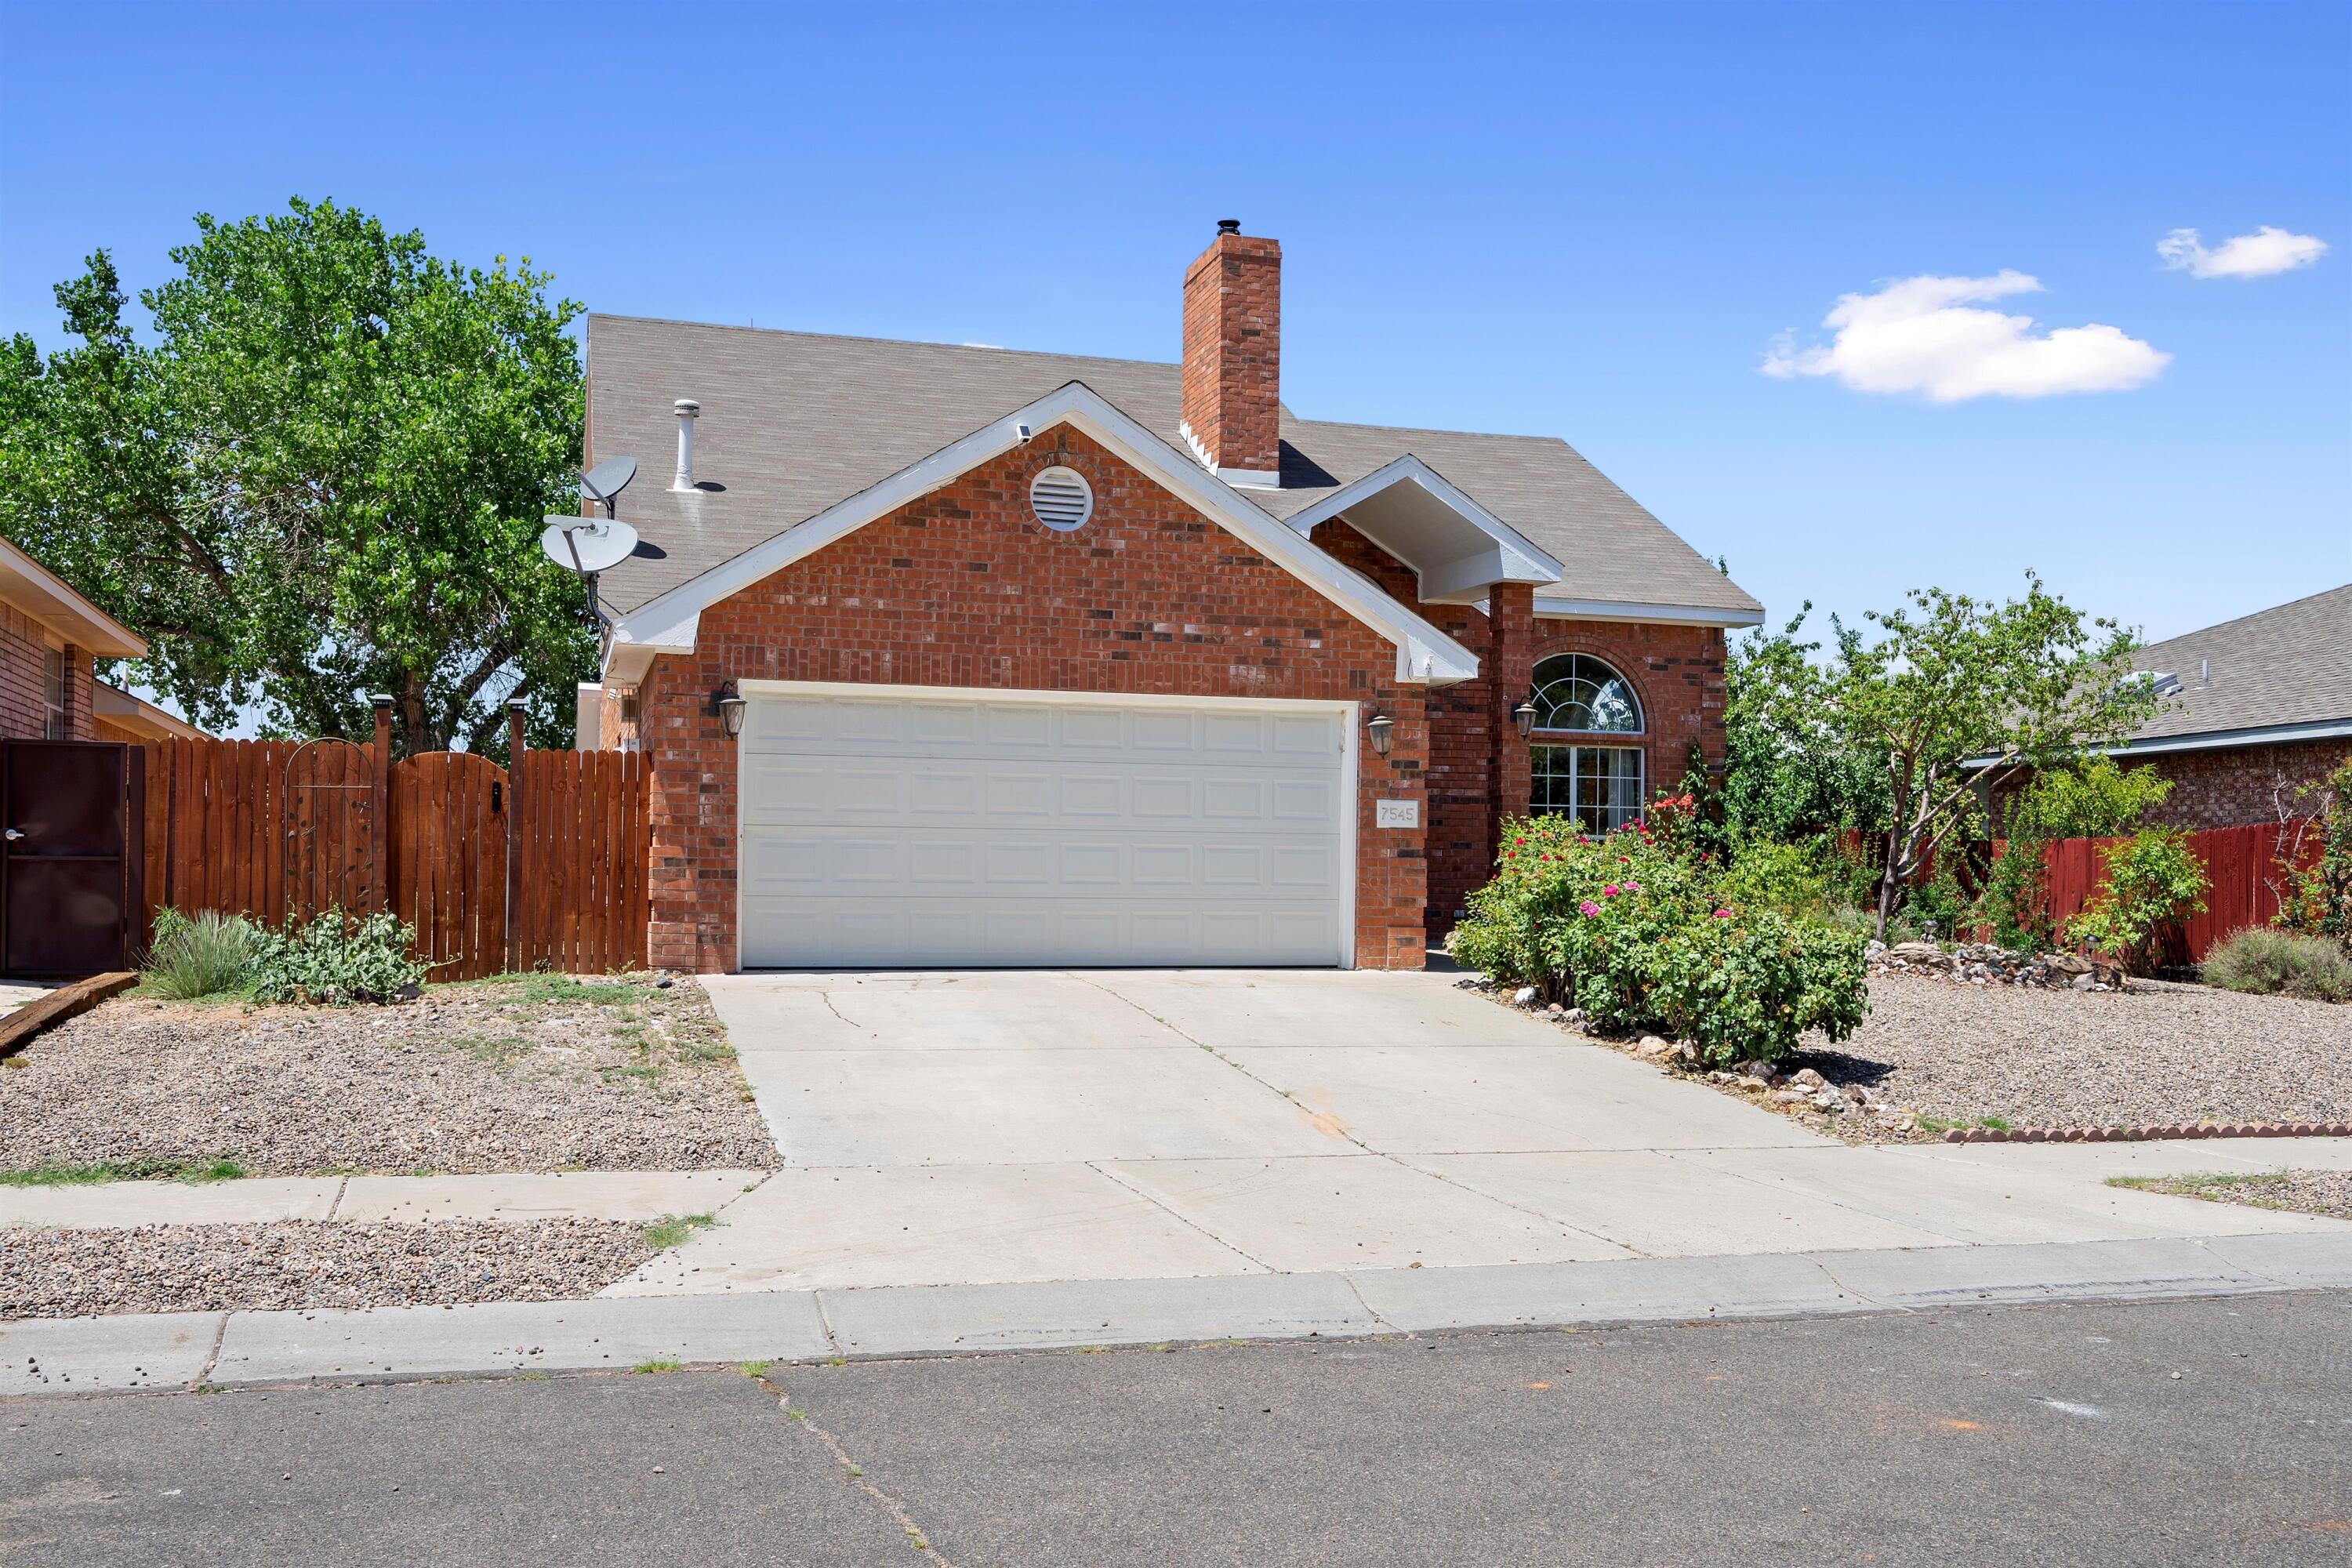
<point x="543" y="866"/>
<point x="2247" y="870"/>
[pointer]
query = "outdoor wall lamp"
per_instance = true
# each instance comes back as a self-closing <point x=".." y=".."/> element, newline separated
<point x="727" y="703"/>
<point x="1524" y="716"/>
<point x="1380" y="726"/>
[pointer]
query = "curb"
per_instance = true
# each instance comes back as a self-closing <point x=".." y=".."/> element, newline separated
<point x="2149" y="1134"/>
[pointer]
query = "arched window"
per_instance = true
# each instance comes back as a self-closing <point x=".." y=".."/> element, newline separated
<point x="1577" y="694"/>
<point x="1577" y="691"/>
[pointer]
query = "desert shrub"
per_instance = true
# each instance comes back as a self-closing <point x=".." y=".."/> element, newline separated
<point x="1639" y="934"/>
<point x="2271" y="963"/>
<point x="204" y="955"/>
<point x="2151" y="881"/>
<point x="337" y="959"/>
<point x="2319" y="899"/>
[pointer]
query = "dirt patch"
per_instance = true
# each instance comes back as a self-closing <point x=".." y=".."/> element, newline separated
<point x="311" y="1264"/>
<point x="2326" y="1192"/>
<point x="527" y="1073"/>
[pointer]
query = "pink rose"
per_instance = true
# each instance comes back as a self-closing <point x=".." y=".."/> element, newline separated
<point x="1610" y="891"/>
<point x="1588" y="907"/>
<point x="1723" y="914"/>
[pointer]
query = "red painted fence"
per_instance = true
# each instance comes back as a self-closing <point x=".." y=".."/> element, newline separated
<point x="2247" y="868"/>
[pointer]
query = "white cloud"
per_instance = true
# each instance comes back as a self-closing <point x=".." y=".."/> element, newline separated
<point x="2255" y="255"/>
<point x="1933" y="336"/>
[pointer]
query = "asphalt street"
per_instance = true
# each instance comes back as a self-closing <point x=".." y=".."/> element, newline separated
<point x="2208" y="1431"/>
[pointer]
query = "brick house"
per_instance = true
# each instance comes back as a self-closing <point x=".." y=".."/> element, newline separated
<point x="962" y="655"/>
<point x="50" y="636"/>
<point x="2260" y="708"/>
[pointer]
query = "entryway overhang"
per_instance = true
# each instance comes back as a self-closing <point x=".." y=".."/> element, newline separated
<point x="1457" y="548"/>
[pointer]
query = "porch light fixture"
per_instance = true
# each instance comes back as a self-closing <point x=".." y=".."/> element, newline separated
<point x="1524" y="716"/>
<point x="727" y="703"/>
<point x="1380" y="726"/>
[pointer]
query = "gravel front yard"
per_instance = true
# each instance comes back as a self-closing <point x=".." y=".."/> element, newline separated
<point x="2326" y="1192"/>
<point x="310" y="1263"/>
<point x="530" y="1073"/>
<point x="2155" y="1052"/>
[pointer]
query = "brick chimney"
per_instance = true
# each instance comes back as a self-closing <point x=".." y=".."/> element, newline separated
<point x="1233" y="357"/>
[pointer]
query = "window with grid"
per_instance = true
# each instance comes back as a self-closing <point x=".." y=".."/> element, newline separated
<point x="1600" y="786"/>
<point x="53" y="695"/>
<point x="1577" y="692"/>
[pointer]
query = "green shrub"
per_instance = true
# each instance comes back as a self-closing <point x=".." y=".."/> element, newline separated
<point x="2151" y="881"/>
<point x="337" y="959"/>
<point x="1787" y="879"/>
<point x="2280" y="963"/>
<point x="2092" y="799"/>
<point x="2319" y="898"/>
<point x="1641" y="937"/>
<point x="205" y="954"/>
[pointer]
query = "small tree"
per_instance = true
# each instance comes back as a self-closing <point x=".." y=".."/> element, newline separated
<point x="2091" y="799"/>
<point x="2151" y="881"/>
<point x="2319" y="897"/>
<point x="1959" y="696"/>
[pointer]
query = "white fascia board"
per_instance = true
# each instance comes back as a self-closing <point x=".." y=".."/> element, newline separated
<point x="1424" y="654"/>
<point x="50" y="600"/>
<point x="1617" y="610"/>
<point x="1521" y="560"/>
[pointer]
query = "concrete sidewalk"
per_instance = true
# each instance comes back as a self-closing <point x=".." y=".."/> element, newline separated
<point x="87" y="1355"/>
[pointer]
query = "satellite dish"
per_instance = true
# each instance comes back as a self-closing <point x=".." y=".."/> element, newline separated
<point x="588" y="544"/>
<point x="607" y="479"/>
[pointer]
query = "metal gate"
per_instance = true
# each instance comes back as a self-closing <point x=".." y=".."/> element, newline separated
<point x="69" y="864"/>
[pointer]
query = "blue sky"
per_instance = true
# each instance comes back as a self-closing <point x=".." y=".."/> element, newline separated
<point x="1593" y="222"/>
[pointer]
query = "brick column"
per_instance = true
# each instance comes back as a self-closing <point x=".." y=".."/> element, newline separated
<point x="1510" y="665"/>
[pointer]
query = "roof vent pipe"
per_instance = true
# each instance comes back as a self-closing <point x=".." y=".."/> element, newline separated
<point x="687" y="408"/>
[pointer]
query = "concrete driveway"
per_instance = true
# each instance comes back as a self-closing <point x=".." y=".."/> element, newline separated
<point x="1002" y="1127"/>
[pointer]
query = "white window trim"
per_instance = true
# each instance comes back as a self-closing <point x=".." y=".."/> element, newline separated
<point x="1641" y="709"/>
<point x="1353" y="716"/>
<point x="1573" y="740"/>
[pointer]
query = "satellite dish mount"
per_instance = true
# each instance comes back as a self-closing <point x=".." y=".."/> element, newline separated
<point x="591" y="545"/>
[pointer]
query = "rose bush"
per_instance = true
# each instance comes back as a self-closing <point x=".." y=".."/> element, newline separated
<point x="1636" y="929"/>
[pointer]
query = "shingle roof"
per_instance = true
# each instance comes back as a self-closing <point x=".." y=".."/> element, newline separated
<point x="2289" y="665"/>
<point x="795" y="422"/>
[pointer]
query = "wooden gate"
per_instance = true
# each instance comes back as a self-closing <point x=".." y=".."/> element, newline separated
<point x="545" y="867"/>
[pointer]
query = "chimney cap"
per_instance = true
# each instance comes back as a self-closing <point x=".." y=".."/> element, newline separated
<point x="1229" y="225"/>
<point x="687" y="407"/>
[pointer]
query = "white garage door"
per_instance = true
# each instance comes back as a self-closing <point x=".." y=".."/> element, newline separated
<point x="893" y="827"/>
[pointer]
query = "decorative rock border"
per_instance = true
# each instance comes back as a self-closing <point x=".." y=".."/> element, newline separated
<point x="2147" y="1134"/>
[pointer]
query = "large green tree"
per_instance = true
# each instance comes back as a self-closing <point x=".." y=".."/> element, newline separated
<point x="319" y="475"/>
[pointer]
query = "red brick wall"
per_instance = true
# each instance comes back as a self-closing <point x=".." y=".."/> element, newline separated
<point x="23" y="712"/>
<point x="2238" y="786"/>
<point x="1231" y="380"/>
<point x="1478" y="767"/>
<point x="965" y="588"/>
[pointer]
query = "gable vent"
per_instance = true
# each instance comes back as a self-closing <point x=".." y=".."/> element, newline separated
<point x="1061" y="498"/>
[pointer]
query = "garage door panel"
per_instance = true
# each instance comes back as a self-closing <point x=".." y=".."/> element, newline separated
<point x="916" y="830"/>
<point x="904" y="934"/>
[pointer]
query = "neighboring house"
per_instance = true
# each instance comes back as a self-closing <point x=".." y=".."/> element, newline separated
<point x="48" y="637"/>
<point x="1040" y="660"/>
<point x="2258" y="709"/>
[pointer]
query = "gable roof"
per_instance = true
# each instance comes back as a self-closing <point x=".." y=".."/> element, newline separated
<point x="2288" y="668"/>
<point x="796" y="423"/>
<point x="668" y="621"/>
